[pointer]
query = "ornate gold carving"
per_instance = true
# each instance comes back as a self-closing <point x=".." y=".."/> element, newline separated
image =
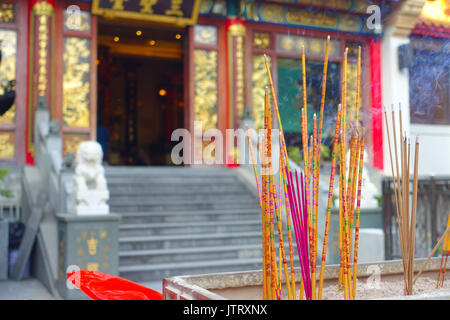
<point x="71" y="142"/>
<point x="147" y="11"/>
<point x="237" y="29"/>
<point x="205" y="87"/>
<point x="76" y="85"/>
<point x="261" y="40"/>
<point x="7" y="12"/>
<point x="239" y="81"/>
<point x="259" y="81"/>
<point x="147" y="5"/>
<point x="43" y="8"/>
<point x="92" y="245"/>
<point x="8" y="45"/>
<point x="117" y="4"/>
<point x="351" y="91"/>
<point x="7" y="140"/>
<point x="92" y="266"/>
<point x="313" y="46"/>
<point x="82" y="22"/>
<point x="175" y="8"/>
<point x="272" y="13"/>
<point x="205" y="35"/>
<point x="42" y="52"/>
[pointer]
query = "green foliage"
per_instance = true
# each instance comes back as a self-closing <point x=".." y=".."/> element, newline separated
<point x="379" y="200"/>
<point x="333" y="199"/>
<point x="294" y="154"/>
<point x="3" y="192"/>
<point x="325" y="153"/>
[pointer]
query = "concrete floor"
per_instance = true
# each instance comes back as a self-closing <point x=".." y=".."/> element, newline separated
<point x="27" y="289"/>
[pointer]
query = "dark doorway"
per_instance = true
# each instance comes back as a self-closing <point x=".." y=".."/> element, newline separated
<point x="140" y="98"/>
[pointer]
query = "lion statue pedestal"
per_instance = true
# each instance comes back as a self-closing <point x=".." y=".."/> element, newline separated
<point x="90" y="191"/>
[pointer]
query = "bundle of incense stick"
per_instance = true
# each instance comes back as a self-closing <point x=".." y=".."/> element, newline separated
<point x="445" y="252"/>
<point x="406" y="215"/>
<point x="301" y="197"/>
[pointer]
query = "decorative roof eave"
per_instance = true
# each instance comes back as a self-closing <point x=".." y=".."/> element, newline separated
<point x="405" y="16"/>
<point x="431" y="30"/>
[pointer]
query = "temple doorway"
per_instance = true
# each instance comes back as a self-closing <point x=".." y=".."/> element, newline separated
<point x="140" y="92"/>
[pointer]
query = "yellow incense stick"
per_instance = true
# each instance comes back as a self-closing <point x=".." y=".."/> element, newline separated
<point x="357" y="215"/>
<point x="358" y="86"/>
<point x="330" y="202"/>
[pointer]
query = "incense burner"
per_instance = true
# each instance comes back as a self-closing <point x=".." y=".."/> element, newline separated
<point x="382" y="280"/>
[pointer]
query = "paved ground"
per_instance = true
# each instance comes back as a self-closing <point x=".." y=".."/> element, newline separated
<point x="33" y="289"/>
<point x="27" y="289"/>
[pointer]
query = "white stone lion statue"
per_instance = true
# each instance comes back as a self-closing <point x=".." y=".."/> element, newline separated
<point x="90" y="190"/>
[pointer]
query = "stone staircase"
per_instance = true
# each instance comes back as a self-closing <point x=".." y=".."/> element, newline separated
<point x="180" y="221"/>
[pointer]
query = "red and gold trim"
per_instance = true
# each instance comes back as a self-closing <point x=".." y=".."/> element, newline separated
<point x="41" y="21"/>
<point x="236" y="33"/>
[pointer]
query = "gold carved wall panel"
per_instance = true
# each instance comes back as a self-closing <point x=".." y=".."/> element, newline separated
<point x="71" y="142"/>
<point x="76" y="84"/>
<point x="7" y="141"/>
<point x="7" y="12"/>
<point x="8" y="45"/>
<point x="205" y="88"/>
<point x="259" y="81"/>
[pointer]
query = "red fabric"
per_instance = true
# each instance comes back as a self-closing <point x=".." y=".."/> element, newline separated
<point x="102" y="286"/>
<point x="376" y="97"/>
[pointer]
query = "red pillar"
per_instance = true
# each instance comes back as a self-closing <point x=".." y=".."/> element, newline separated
<point x="235" y="32"/>
<point x="376" y="98"/>
<point x="39" y="63"/>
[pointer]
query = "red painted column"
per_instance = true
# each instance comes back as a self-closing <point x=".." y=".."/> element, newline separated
<point x="39" y="65"/>
<point x="235" y="32"/>
<point x="376" y="98"/>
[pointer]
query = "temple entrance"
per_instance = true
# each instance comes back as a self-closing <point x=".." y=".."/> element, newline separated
<point x="140" y="92"/>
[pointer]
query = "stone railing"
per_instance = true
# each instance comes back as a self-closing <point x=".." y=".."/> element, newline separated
<point x="57" y="172"/>
<point x="62" y="222"/>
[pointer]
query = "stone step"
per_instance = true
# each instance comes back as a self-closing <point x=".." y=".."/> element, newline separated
<point x="189" y="216"/>
<point x="182" y="198"/>
<point x="140" y="257"/>
<point x="187" y="241"/>
<point x="178" y="241"/>
<point x="165" y="171"/>
<point x="150" y="229"/>
<point x="149" y="272"/>
<point x="160" y="204"/>
<point x="171" y="180"/>
<point x="148" y="189"/>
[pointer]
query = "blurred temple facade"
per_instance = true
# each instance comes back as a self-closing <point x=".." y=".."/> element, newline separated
<point x="127" y="73"/>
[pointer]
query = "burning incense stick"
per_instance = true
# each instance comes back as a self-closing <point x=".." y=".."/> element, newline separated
<point x="358" y="86"/>
<point x="445" y="251"/>
<point x="330" y="201"/>
<point x="432" y="253"/>
<point x="406" y="215"/>
<point x="357" y="214"/>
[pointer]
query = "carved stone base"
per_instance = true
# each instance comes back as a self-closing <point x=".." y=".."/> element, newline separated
<point x="93" y="202"/>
